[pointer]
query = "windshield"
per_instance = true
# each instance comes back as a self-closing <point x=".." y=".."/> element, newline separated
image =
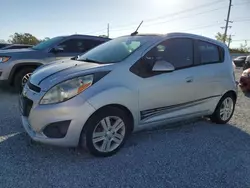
<point x="46" y="44"/>
<point x="114" y="50"/>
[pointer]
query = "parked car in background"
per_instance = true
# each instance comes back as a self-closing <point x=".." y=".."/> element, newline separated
<point x="128" y="84"/>
<point x="244" y="83"/>
<point x="246" y="65"/>
<point x="239" y="61"/>
<point x="16" y="66"/>
<point x="2" y="45"/>
<point x="16" y="46"/>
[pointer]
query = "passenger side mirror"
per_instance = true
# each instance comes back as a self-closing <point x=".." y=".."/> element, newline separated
<point x="57" y="49"/>
<point x="163" y="66"/>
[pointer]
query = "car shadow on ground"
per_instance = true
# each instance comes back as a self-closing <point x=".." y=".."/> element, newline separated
<point x="7" y="89"/>
<point x="186" y="151"/>
<point x="247" y="94"/>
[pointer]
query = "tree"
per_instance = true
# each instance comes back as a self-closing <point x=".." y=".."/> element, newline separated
<point x="23" y="38"/>
<point x="2" y="41"/>
<point x="244" y="48"/>
<point x="219" y="36"/>
<point x="42" y="40"/>
<point x="104" y="36"/>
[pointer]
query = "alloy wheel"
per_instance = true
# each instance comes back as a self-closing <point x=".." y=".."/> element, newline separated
<point x="25" y="79"/>
<point x="226" y="108"/>
<point x="108" y="134"/>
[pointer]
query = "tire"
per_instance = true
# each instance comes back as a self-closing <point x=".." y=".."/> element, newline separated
<point x="244" y="67"/>
<point x="18" y="79"/>
<point x="92" y="126"/>
<point x="216" y="117"/>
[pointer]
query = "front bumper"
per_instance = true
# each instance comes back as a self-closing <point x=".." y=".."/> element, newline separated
<point x="76" y="110"/>
<point x="4" y="71"/>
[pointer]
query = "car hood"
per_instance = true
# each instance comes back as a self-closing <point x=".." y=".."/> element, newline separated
<point x="50" y="75"/>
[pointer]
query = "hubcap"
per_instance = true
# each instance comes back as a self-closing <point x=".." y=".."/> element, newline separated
<point x="108" y="134"/>
<point x="26" y="78"/>
<point x="226" y="109"/>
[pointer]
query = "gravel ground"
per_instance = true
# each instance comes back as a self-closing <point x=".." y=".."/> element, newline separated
<point x="198" y="154"/>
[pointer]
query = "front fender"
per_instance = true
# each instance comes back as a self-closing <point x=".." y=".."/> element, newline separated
<point x="117" y="95"/>
<point x="19" y="65"/>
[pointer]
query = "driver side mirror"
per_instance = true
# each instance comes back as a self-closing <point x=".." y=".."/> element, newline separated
<point x="57" y="49"/>
<point x="162" y="66"/>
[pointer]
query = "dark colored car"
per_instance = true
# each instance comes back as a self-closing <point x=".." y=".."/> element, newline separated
<point x="246" y="64"/>
<point x="16" y="46"/>
<point x="239" y="61"/>
<point x="245" y="80"/>
<point x="2" y="45"/>
<point x="16" y="65"/>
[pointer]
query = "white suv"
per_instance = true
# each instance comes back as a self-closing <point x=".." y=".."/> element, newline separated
<point x="128" y="84"/>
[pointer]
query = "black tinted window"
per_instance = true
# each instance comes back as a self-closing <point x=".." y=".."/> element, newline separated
<point x="79" y="45"/>
<point x="178" y="52"/>
<point x="209" y="53"/>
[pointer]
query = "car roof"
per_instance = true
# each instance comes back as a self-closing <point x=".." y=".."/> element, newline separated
<point x="183" y="34"/>
<point x="87" y="36"/>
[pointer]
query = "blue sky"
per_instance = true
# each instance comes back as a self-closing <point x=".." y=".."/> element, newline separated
<point x="49" y="18"/>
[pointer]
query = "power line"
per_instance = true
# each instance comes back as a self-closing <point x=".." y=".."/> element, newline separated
<point x="170" y="20"/>
<point x="175" y="13"/>
<point x="186" y="10"/>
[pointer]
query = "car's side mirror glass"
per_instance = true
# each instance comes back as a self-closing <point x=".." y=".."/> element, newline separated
<point x="162" y="66"/>
<point x="57" y="49"/>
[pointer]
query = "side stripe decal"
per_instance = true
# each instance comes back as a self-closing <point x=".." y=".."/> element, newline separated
<point x="151" y="112"/>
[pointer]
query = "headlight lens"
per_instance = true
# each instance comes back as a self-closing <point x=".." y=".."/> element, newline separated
<point x="4" y="59"/>
<point x="67" y="90"/>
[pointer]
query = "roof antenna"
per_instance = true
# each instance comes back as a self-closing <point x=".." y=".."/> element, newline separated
<point x="136" y="31"/>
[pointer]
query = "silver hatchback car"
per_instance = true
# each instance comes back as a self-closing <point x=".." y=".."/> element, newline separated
<point x="125" y="85"/>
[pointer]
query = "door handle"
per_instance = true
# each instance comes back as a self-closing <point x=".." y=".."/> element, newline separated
<point x="189" y="79"/>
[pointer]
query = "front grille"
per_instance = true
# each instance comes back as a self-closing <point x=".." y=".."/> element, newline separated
<point x="33" y="87"/>
<point x="26" y="105"/>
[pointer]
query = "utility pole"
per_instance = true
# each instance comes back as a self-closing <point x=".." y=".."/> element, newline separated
<point x="227" y="21"/>
<point x="108" y="30"/>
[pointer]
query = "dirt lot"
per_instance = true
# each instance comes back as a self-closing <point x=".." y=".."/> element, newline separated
<point x="198" y="154"/>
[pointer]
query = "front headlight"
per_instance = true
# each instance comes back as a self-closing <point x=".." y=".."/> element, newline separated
<point x="67" y="89"/>
<point x="4" y="59"/>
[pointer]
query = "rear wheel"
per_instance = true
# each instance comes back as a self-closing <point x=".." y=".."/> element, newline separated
<point x="224" y="110"/>
<point x="22" y="77"/>
<point x="105" y="132"/>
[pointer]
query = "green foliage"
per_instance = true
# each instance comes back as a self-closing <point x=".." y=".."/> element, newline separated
<point x="104" y="36"/>
<point x="242" y="49"/>
<point x="219" y="36"/>
<point x="23" y="38"/>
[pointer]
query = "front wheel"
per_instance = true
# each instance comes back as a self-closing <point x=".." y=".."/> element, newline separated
<point x="22" y="77"/>
<point x="105" y="132"/>
<point x="224" y="110"/>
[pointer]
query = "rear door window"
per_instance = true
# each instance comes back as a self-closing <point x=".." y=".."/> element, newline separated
<point x="79" y="45"/>
<point x="209" y="53"/>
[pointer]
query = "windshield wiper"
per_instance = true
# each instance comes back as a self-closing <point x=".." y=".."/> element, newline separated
<point x="90" y="60"/>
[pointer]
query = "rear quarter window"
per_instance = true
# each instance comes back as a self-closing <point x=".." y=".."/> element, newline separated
<point x="209" y="53"/>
